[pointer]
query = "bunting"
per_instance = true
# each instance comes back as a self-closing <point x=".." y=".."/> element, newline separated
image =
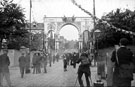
<point x="104" y="22"/>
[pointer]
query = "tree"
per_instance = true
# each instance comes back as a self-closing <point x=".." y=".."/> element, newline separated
<point x="12" y="21"/>
<point x="122" y="19"/>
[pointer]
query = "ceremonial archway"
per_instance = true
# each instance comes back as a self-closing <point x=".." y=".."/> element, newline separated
<point x="56" y="23"/>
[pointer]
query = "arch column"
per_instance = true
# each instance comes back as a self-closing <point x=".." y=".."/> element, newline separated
<point x="56" y="45"/>
<point x="46" y="45"/>
<point x="80" y="44"/>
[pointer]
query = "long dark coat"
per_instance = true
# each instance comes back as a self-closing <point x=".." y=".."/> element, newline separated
<point x="125" y="56"/>
<point x="4" y="63"/>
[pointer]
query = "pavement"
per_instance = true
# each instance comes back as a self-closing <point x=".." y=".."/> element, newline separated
<point x="55" y="77"/>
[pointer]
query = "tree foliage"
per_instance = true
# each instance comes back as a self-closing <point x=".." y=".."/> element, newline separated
<point x="122" y="19"/>
<point x="12" y="21"/>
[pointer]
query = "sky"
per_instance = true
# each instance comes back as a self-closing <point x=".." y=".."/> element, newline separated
<point x="59" y="8"/>
<point x="72" y="32"/>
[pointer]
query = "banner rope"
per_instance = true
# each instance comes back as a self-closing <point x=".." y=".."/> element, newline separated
<point x="104" y="22"/>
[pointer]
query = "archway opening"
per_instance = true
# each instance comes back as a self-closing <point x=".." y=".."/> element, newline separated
<point x="69" y="36"/>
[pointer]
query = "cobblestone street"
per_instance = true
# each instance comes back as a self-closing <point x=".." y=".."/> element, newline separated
<point x="54" y="77"/>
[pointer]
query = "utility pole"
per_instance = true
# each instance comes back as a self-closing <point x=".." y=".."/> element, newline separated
<point x="93" y="34"/>
<point x="30" y="27"/>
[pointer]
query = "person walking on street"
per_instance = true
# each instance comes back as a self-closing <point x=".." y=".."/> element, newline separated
<point x="27" y="63"/>
<point x="57" y="57"/>
<point x="50" y="59"/>
<point x="34" y="59"/>
<point x="44" y="61"/>
<point x="74" y="59"/>
<point x="84" y="68"/>
<point x="4" y="67"/>
<point x="22" y="64"/>
<point x="65" y="62"/>
<point x="54" y="58"/>
<point x="123" y="59"/>
<point x="38" y="63"/>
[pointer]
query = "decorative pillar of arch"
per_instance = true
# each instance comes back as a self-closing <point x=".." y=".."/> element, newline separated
<point x="81" y="23"/>
<point x="56" y="43"/>
<point x="46" y="45"/>
<point x="80" y="44"/>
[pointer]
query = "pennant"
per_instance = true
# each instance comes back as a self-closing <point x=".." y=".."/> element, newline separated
<point x="97" y="19"/>
<point x="127" y="31"/>
<point x="131" y="32"/>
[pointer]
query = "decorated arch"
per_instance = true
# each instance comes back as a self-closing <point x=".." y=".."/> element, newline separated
<point x="57" y="23"/>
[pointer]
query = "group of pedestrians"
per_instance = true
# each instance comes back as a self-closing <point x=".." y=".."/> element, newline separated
<point x="123" y="62"/>
<point x="70" y="59"/>
<point x="39" y="60"/>
<point x="122" y="59"/>
<point x="84" y="67"/>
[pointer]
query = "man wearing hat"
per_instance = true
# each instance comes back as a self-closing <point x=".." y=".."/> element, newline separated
<point x="22" y="64"/>
<point x="122" y="57"/>
<point x="4" y="67"/>
<point x="84" y="68"/>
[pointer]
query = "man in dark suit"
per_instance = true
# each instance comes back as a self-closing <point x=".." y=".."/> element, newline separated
<point x="4" y="67"/>
<point x="84" y="68"/>
<point x="22" y="64"/>
<point x="122" y="56"/>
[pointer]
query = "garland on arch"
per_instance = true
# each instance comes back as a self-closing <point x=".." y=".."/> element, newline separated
<point x="104" y="22"/>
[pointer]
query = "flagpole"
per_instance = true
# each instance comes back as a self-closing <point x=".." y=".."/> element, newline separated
<point x="93" y="35"/>
<point x="30" y="26"/>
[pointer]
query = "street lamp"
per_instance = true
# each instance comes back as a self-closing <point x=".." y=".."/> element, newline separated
<point x="80" y="45"/>
<point x="56" y="44"/>
<point x="97" y="31"/>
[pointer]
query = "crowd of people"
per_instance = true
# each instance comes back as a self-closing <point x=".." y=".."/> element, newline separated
<point x="39" y="60"/>
<point x="70" y="59"/>
<point x="84" y="68"/>
<point x="122" y="58"/>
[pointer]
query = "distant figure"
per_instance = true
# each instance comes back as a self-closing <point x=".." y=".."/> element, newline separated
<point x="57" y="57"/>
<point x="28" y="63"/>
<point x="22" y="64"/>
<point x="4" y="68"/>
<point x="54" y="57"/>
<point x="38" y="63"/>
<point x="34" y="60"/>
<point x="44" y="61"/>
<point x="50" y="59"/>
<point x="74" y="59"/>
<point x="65" y="62"/>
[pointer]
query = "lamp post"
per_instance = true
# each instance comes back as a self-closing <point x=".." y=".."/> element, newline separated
<point x="56" y="45"/>
<point x="30" y="27"/>
<point x="80" y="45"/>
<point x="97" y="31"/>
